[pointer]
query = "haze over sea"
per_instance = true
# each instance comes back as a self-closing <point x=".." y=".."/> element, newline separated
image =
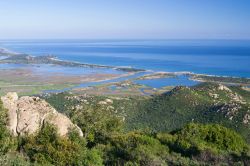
<point x="213" y="57"/>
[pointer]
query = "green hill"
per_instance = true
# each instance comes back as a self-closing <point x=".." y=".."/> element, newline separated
<point x="201" y="125"/>
<point x="205" y="103"/>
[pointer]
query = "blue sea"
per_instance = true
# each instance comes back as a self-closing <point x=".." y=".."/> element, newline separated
<point x="213" y="57"/>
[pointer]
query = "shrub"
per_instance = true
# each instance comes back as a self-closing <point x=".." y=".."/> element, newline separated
<point x="211" y="136"/>
<point x="14" y="160"/>
<point x="6" y="141"/>
<point x="48" y="148"/>
<point x="135" y="148"/>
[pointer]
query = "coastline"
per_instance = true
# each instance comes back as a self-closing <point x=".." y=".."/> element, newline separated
<point x="131" y="74"/>
<point x="18" y="58"/>
<point x="242" y="81"/>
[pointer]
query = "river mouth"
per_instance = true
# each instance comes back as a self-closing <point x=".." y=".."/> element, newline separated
<point x="51" y="78"/>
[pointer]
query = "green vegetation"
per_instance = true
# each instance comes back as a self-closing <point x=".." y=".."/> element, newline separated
<point x="136" y="149"/>
<point x="201" y="104"/>
<point x="184" y="126"/>
<point x="48" y="148"/>
<point x="196" y="137"/>
<point x="6" y="142"/>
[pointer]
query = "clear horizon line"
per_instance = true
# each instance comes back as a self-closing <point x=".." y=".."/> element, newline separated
<point x="240" y="39"/>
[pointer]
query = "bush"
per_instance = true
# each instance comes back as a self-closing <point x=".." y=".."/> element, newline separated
<point x="211" y="136"/>
<point x="48" y="148"/>
<point x="6" y="141"/>
<point x="135" y="148"/>
<point x="97" y="124"/>
<point x="14" y="160"/>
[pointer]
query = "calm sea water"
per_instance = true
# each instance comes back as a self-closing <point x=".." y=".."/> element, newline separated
<point x="216" y="57"/>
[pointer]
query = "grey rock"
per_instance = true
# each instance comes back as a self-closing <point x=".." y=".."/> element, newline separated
<point x="28" y="115"/>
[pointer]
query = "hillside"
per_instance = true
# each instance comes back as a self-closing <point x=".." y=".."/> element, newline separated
<point x="204" y="103"/>
<point x="201" y="125"/>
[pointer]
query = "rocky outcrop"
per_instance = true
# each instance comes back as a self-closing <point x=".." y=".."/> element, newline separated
<point x="223" y="87"/>
<point x="28" y="115"/>
<point x="246" y="119"/>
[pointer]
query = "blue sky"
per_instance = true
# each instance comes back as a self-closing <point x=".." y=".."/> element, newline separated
<point x="159" y="19"/>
